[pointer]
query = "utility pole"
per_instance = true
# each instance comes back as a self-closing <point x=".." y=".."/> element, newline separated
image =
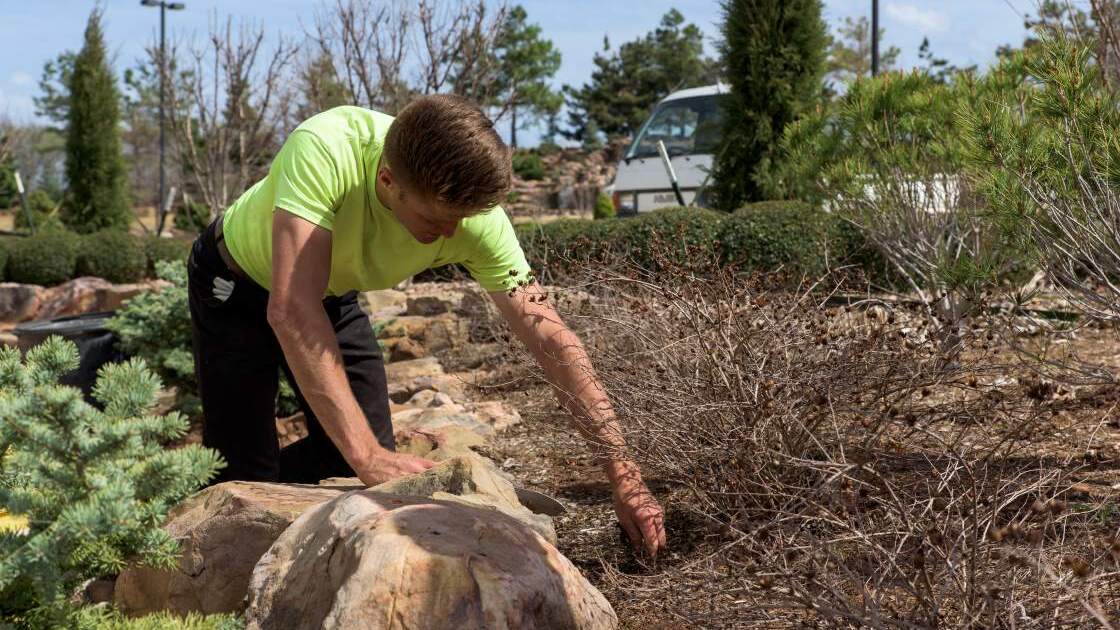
<point x="874" y="38"/>
<point x="161" y="211"/>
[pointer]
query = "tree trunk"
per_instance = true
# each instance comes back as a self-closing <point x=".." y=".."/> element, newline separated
<point x="513" y="127"/>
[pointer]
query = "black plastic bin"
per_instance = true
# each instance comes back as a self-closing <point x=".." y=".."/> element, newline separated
<point x="96" y="344"/>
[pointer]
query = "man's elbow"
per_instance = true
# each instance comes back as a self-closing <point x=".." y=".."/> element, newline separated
<point x="281" y="313"/>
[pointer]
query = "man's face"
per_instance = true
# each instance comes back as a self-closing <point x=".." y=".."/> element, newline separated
<point x="425" y="219"/>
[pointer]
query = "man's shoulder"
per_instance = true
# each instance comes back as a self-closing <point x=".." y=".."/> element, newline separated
<point x="488" y="229"/>
<point x="347" y="122"/>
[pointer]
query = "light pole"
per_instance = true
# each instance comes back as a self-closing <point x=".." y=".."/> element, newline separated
<point x="163" y="7"/>
<point x="874" y="37"/>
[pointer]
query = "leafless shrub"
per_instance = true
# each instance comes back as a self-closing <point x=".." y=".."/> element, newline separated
<point x="851" y="471"/>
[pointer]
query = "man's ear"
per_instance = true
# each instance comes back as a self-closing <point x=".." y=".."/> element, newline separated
<point x="385" y="176"/>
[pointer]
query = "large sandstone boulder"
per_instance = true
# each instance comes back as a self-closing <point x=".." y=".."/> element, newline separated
<point x="372" y="560"/>
<point x="19" y="302"/>
<point x="223" y="531"/>
<point x="471" y="479"/>
<point x="88" y="295"/>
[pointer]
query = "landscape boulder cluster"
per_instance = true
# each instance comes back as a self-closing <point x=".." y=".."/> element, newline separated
<point x="450" y="547"/>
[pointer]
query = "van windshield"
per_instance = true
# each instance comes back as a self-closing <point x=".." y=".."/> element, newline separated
<point x="686" y="126"/>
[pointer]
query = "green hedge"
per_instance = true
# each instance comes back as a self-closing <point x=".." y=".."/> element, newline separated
<point x="763" y="237"/>
<point x="56" y="256"/>
<point x="5" y="251"/>
<point x="158" y="249"/>
<point x="773" y="235"/>
<point x="113" y="255"/>
<point x="48" y="258"/>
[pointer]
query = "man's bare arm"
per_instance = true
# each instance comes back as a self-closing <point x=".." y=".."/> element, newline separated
<point x="301" y="262"/>
<point x="564" y="360"/>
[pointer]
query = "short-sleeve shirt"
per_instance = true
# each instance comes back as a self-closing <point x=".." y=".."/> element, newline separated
<point x="325" y="174"/>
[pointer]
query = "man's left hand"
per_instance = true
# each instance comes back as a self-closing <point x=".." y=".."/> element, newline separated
<point x="638" y="511"/>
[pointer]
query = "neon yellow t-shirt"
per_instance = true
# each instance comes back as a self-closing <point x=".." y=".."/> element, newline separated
<point x="325" y="173"/>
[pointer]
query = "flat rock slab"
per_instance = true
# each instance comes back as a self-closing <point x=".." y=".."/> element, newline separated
<point x="373" y="560"/>
<point x="404" y="371"/>
<point x="383" y="304"/>
<point x="223" y="530"/>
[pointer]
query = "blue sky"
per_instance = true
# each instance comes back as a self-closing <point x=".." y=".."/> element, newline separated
<point x="34" y="31"/>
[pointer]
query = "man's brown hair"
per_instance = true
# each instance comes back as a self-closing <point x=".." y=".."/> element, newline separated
<point x="444" y="146"/>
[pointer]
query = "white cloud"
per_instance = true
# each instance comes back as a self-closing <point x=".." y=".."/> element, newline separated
<point x="18" y="107"/>
<point x="926" y="20"/>
<point x="21" y="78"/>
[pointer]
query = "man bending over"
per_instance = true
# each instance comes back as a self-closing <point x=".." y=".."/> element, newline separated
<point x="355" y="201"/>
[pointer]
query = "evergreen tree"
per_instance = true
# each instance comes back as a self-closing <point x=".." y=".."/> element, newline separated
<point x="97" y="194"/>
<point x="9" y="194"/>
<point x="1097" y="29"/>
<point x="886" y="156"/>
<point x="53" y="102"/>
<point x="1042" y="153"/>
<point x="939" y="68"/>
<point x="1059" y="18"/>
<point x="774" y="52"/>
<point x="320" y="87"/>
<point x="525" y="64"/>
<point x="849" y="55"/>
<point x="156" y="326"/>
<point x="94" y="484"/>
<point x="626" y="84"/>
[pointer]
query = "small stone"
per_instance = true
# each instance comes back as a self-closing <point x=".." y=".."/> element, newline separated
<point x="405" y="349"/>
<point x="430" y="398"/>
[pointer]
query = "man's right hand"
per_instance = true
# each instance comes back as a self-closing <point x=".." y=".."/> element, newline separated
<point x="386" y="465"/>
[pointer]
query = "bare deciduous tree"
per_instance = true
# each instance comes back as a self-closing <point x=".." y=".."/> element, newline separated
<point x="446" y="47"/>
<point x="1106" y="14"/>
<point x="8" y="133"/>
<point x="226" y="108"/>
<point x="368" y="47"/>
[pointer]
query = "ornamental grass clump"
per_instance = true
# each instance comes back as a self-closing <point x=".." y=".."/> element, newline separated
<point x="93" y="483"/>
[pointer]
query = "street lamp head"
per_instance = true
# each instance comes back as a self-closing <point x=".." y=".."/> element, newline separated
<point x="149" y="3"/>
<point x="176" y="6"/>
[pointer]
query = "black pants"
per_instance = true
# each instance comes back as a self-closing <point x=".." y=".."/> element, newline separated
<point x="237" y="361"/>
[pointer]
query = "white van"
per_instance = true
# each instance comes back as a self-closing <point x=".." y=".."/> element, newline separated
<point x="689" y="123"/>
